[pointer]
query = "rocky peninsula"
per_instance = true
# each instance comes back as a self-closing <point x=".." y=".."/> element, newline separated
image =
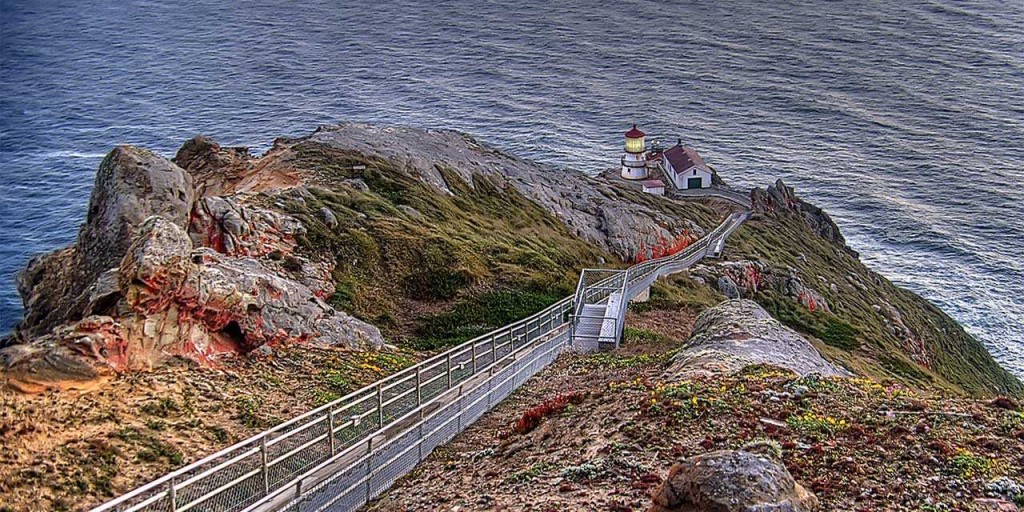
<point x="210" y="288"/>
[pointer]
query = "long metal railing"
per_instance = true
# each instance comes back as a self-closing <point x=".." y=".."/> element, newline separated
<point x="242" y="474"/>
<point x="630" y="282"/>
<point x="278" y="464"/>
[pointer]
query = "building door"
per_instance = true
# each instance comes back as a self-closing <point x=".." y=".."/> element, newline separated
<point x="693" y="183"/>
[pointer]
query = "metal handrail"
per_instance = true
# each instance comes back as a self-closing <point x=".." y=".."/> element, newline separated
<point x="173" y="483"/>
<point x="377" y="406"/>
<point x="365" y="458"/>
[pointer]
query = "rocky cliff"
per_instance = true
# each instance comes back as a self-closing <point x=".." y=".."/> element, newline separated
<point x="218" y="253"/>
<point x="161" y="270"/>
<point x="251" y="289"/>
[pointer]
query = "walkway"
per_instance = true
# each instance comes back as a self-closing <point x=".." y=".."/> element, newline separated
<point x="341" y="455"/>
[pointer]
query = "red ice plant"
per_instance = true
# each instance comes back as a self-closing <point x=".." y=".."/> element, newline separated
<point x="533" y="416"/>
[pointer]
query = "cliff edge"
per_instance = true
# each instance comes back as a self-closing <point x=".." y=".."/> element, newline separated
<point x="215" y="294"/>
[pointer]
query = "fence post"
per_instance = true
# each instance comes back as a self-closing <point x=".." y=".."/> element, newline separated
<point x="380" y="406"/>
<point x="474" y="358"/>
<point x="419" y="388"/>
<point x="172" y="494"/>
<point x="263" y="464"/>
<point x="572" y="330"/>
<point x="449" y="359"/>
<point x="494" y="350"/>
<point x="330" y="428"/>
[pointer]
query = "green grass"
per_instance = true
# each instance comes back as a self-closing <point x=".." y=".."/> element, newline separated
<point x="249" y="413"/>
<point x="151" y="449"/>
<point x="478" y="315"/>
<point x="161" y="407"/>
<point x="969" y="465"/>
<point x="486" y="235"/>
<point x="904" y="369"/>
<point x="677" y="292"/>
<point x="823" y="326"/>
<point x="860" y="335"/>
<point x="631" y="335"/>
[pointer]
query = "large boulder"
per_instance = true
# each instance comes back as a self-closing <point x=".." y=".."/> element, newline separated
<point x="132" y="184"/>
<point x="737" y="333"/>
<point x="731" y="481"/>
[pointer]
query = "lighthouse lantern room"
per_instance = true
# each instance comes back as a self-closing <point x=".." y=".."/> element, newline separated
<point x="634" y="165"/>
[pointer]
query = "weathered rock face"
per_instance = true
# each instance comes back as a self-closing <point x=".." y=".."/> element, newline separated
<point x="731" y="481"/>
<point x="781" y="199"/>
<point x="744" y="278"/>
<point x="131" y="185"/>
<point x="737" y="333"/>
<point x="230" y="227"/>
<point x="157" y="272"/>
<point x="224" y="304"/>
<point x="593" y="209"/>
<point x="218" y="170"/>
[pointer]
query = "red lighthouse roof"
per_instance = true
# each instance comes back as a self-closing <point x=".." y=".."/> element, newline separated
<point x="634" y="133"/>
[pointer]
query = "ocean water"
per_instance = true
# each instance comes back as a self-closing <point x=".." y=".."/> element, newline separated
<point x="905" y="120"/>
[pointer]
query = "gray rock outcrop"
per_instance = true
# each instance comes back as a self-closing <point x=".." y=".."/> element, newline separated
<point x="731" y="481"/>
<point x="728" y="287"/>
<point x="737" y="333"/>
<point x="158" y="272"/>
<point x="132" y="184"/>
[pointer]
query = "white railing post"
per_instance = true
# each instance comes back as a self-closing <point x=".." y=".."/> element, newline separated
<point x="474" y="357"/>
<point x="172" y="495"/>
<point x="419" y="388"/>
<point x="330" y="428"/>
<point x="263" y="464"/>
<point x="449" y="359"/>
<point x="380" y="405"/>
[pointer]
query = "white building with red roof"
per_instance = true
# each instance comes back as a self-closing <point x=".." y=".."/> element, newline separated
<point x="685" y="168"/>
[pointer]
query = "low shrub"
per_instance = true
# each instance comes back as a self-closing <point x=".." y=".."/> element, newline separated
<point x="969" y="465"/>
<point x="533" y="417"/>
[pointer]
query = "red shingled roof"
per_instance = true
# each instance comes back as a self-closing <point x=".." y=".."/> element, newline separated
<point x="653" y="183"/>
<point x="683" y="158"/>
<point x="634" y="133"/>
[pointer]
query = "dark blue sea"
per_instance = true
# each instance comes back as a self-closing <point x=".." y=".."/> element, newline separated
<point x="905" y="120"/>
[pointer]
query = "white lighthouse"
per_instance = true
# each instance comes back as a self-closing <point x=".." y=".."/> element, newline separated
<point x="634" y="162"/>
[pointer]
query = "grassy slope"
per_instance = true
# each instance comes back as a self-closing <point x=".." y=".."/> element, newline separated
<point x="857" y="335"/>
<point x="478" y="259"/>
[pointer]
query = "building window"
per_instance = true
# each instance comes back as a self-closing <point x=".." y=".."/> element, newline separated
<point x="695" y="172"/>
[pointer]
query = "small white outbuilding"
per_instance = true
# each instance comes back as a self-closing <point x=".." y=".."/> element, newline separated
<point x="656" y="187"/>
